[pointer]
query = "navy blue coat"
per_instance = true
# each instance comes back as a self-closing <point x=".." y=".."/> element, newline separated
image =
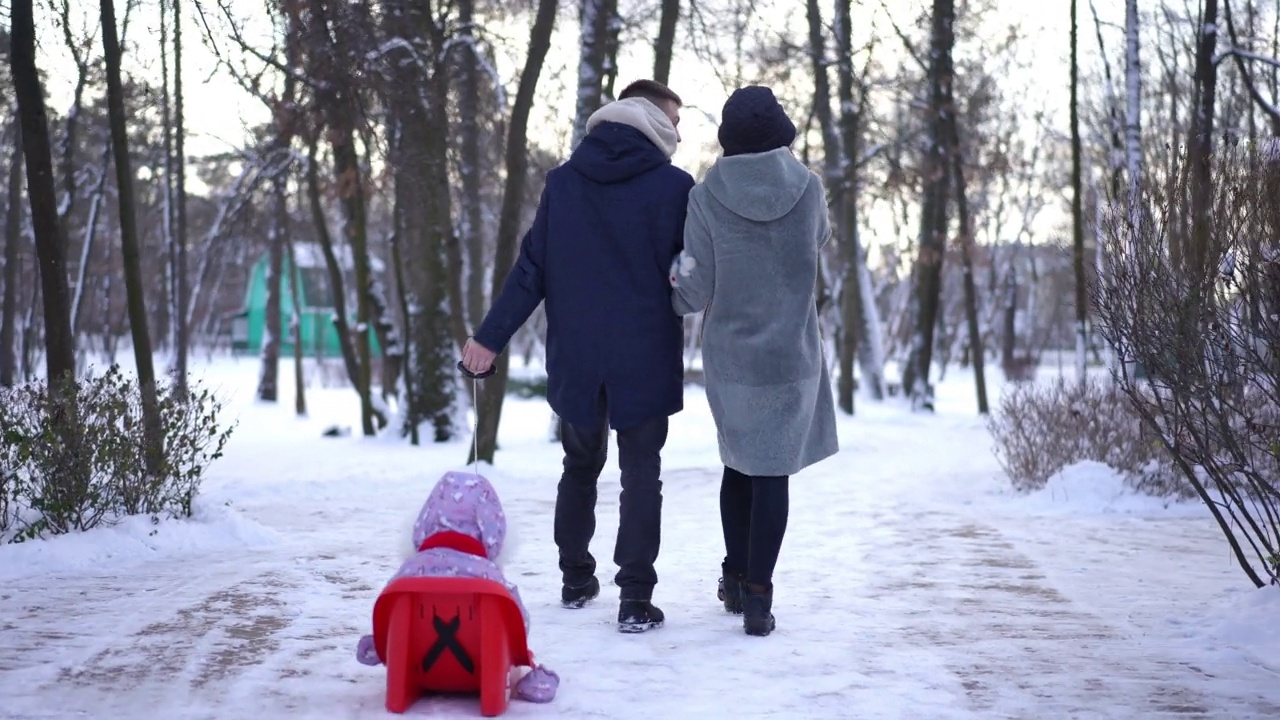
<point x="608" y="225"/>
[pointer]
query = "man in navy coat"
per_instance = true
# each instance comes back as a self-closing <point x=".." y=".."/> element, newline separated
<point x="609" y="222"/>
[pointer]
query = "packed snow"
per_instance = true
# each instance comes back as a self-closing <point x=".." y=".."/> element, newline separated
<point x="913" y="583"/>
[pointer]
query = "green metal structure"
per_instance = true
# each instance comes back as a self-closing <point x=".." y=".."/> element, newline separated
<point x="315" y="295"/>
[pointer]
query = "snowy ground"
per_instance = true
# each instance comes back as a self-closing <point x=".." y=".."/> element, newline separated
<point x="912" y="585"/>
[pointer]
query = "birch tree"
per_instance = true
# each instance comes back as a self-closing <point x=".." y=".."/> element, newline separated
<point x="1132" y="106"/>
<point x="593" y="52"/>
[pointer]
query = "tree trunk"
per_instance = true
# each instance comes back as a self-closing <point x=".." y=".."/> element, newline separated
<point x="861" y="338"/>
<point x="592" y="52"/>
<point x="832" y="153"/>
<point x="397" y="261"/>
<point x="166" y="222"/>
<point x="12" y="236"/>
<point x="664" y="45"/>
<point x="346" y="343"/>
<point x="1133" y="105"/>
<point x="977" y="352"/>
<point x="295" y="302"/>
<point x="131" y="256"/>
<point x="87" y="245"/>
<point x="335" y="97"/>
<point x="1077" y="210"/>
<point x="489" y="405"/>
<point x="269" y="376"/>
<point x="60" y="360"/>
<point x="181" y="341"/>
<point x="1200" y="153"/>
<point x="418" y="102"/>
<point x="471" y="201"/>
<point x="932" y="245"/>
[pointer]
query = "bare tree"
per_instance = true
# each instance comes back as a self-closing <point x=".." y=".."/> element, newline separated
<point x="60" y="363"/>
<point x="269" y="376"/>
<point x="418" y="86"/>
<point x="489" y="404"/>
<point x="593" y="49"/>
<point x="1200" y="151"/>
<point x="1077" y="208"/>
<point x="860" y="318"/>
<point x="129" y="246"/>
<point x="181" y="341"/>
<point x="12" y="236"/>
<point x="664" y="43"/>
<point x="936" y="175"/>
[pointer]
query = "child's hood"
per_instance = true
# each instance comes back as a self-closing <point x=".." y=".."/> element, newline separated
<point x="467" y="504"/>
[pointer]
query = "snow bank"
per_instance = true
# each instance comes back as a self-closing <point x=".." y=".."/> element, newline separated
<point x="212" y="527"/>
<point x="1093" y="488"/>
<point x="1246" y="623"/>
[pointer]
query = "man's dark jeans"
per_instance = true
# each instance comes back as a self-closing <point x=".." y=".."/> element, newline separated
<point x="640" y="514"/>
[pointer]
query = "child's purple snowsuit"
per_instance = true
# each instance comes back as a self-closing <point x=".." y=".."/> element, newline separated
<point x="467" y="504"/>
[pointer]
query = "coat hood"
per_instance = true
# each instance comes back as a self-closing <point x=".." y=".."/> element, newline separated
<point x="464" y="503"/>
<point x="760" y="186"/>
<point x="614" y="152"/>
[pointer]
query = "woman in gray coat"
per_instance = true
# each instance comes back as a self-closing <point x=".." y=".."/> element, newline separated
<point x="754" y="229"/>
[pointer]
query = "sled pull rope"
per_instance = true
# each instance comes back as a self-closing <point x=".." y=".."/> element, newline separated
<point x="475" y="408"/>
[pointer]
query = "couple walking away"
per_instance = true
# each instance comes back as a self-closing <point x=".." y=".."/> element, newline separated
<point x="623" y="245"/>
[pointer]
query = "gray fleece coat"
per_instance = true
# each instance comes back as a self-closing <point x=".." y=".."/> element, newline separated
<point x="750" y="260"/>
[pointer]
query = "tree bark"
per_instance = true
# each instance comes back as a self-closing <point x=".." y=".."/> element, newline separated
<point x="489" y="404"/>
<point x="60" y="362"/>
<point x="1200" y="153"/>
<point x="976" y="350"/>
<point x="131" y="256"/>
<point x="12" y="236"/>
<point x="471" y="202"/>
<point x="860" y="316"/>
<point x="932" y="245"/>
<point x="346" y="343"/>
<point x="1133" y="105"/>
<point x="423" y="211"/>
<point x="1077" y="210"/>
<point x="335" y="98"/>
<point x="664" y="45"/>
<point x="593" y="51"/>
<point x="269" y="376"/>
<point x="295" y="300"/>
<point x="181" y="341"/>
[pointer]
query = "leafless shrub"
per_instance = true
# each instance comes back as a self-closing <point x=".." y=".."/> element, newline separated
<point x="1041" y="428"/>
<point x="1200" y="316"/>
<point x="1020" y="368"/>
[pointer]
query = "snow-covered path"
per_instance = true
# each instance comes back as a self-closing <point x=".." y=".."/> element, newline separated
<point x="911" y="586"/>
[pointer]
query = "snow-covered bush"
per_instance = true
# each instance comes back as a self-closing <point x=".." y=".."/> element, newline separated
<point x="73" y="460"/>
<point x="1041" y="428"/>
<point x="1196" y="307"/>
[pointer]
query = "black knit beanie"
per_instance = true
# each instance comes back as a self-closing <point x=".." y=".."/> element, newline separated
<point x="752" y="121"/>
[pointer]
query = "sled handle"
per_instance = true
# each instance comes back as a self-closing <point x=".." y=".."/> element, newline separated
<point x="477" y="376"/>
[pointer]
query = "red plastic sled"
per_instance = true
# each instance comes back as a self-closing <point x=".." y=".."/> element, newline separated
<point x="458" y="635"/>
